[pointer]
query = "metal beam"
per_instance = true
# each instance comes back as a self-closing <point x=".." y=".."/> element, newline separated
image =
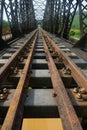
<point x="1" y="17"/>
<point x="83" y="16"/>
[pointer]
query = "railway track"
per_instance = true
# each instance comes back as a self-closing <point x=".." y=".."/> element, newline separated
<point x="12" y="47"/>
<point x="40" y="80"/>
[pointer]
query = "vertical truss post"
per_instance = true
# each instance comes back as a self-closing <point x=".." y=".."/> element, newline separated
<point x="27" y="16"/>
<point x="72" y="6"/>
<point x="32" y="17"/>
<point x="69" y="9"/>
<point x="82" y="43"/>
<point x="1" y="18"/>
<point x="11" y="9"/>
<point x="23" y="16"/>
<point x="20" y="15"/>
<point x="49" y="16"/>
<point x="2" y="42"/>
<point x="63" y="16"/>
<point x="83" y="16"/>
<point x="56" y="16"/>
<point x="46" y="17"/>
<point x="52" y="15"/>
<point x="60" y="16"/>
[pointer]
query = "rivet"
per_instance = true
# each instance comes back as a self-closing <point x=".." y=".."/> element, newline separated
<point x="5" y="90"/>
<point x="1" y="96"/>
<point x="75" y="90"/>
<point x="54" y="94"/>
<point x="79" y="96"/>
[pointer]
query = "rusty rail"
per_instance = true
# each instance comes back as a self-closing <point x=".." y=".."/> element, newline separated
<point x="75" y="71"/>
<point x="6" y="67"/>
<point x="67" y="113"/>
<point x="9" y="122"/>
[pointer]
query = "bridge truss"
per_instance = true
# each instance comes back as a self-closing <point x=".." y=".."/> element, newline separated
<point x="20" y="15"/>
<point x="58" y="16"/>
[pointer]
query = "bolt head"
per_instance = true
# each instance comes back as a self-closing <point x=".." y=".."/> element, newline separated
<point x="75" y="90"/>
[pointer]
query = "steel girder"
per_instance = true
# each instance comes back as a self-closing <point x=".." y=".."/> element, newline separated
<point x="1" y="18"/>
<point x="45" y="18"/>
<point x="33" y="23"/>
<point x="82" y="43"/>
<point x="62" y="14"/>
<point x="49" y="16"/>
<point x="20" y="15"/>
<point x="2" y="43"/>
<point x="70" y="7"/>
<point x="23" y="16"/>
<point x="58" y="18"/>
<point x="27" y="15"/>
<point x="11" y="9"/>
<point x="83" y="16"/>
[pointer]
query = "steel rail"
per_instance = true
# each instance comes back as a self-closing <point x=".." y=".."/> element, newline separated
<point x="67" y="113"/>
<point x="13" y="109"/>
<point x="78" y="76"/>
<point x="11" y="61"/>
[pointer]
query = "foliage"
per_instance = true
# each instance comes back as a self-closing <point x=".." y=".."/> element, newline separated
<point x="75" y="33"/>
<point x="75" y="29"/>
<point x="6" y="28"/>
<point x="5" y="24"/>
<point x="76" y="23"/>
<point x="72" y="33"/>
